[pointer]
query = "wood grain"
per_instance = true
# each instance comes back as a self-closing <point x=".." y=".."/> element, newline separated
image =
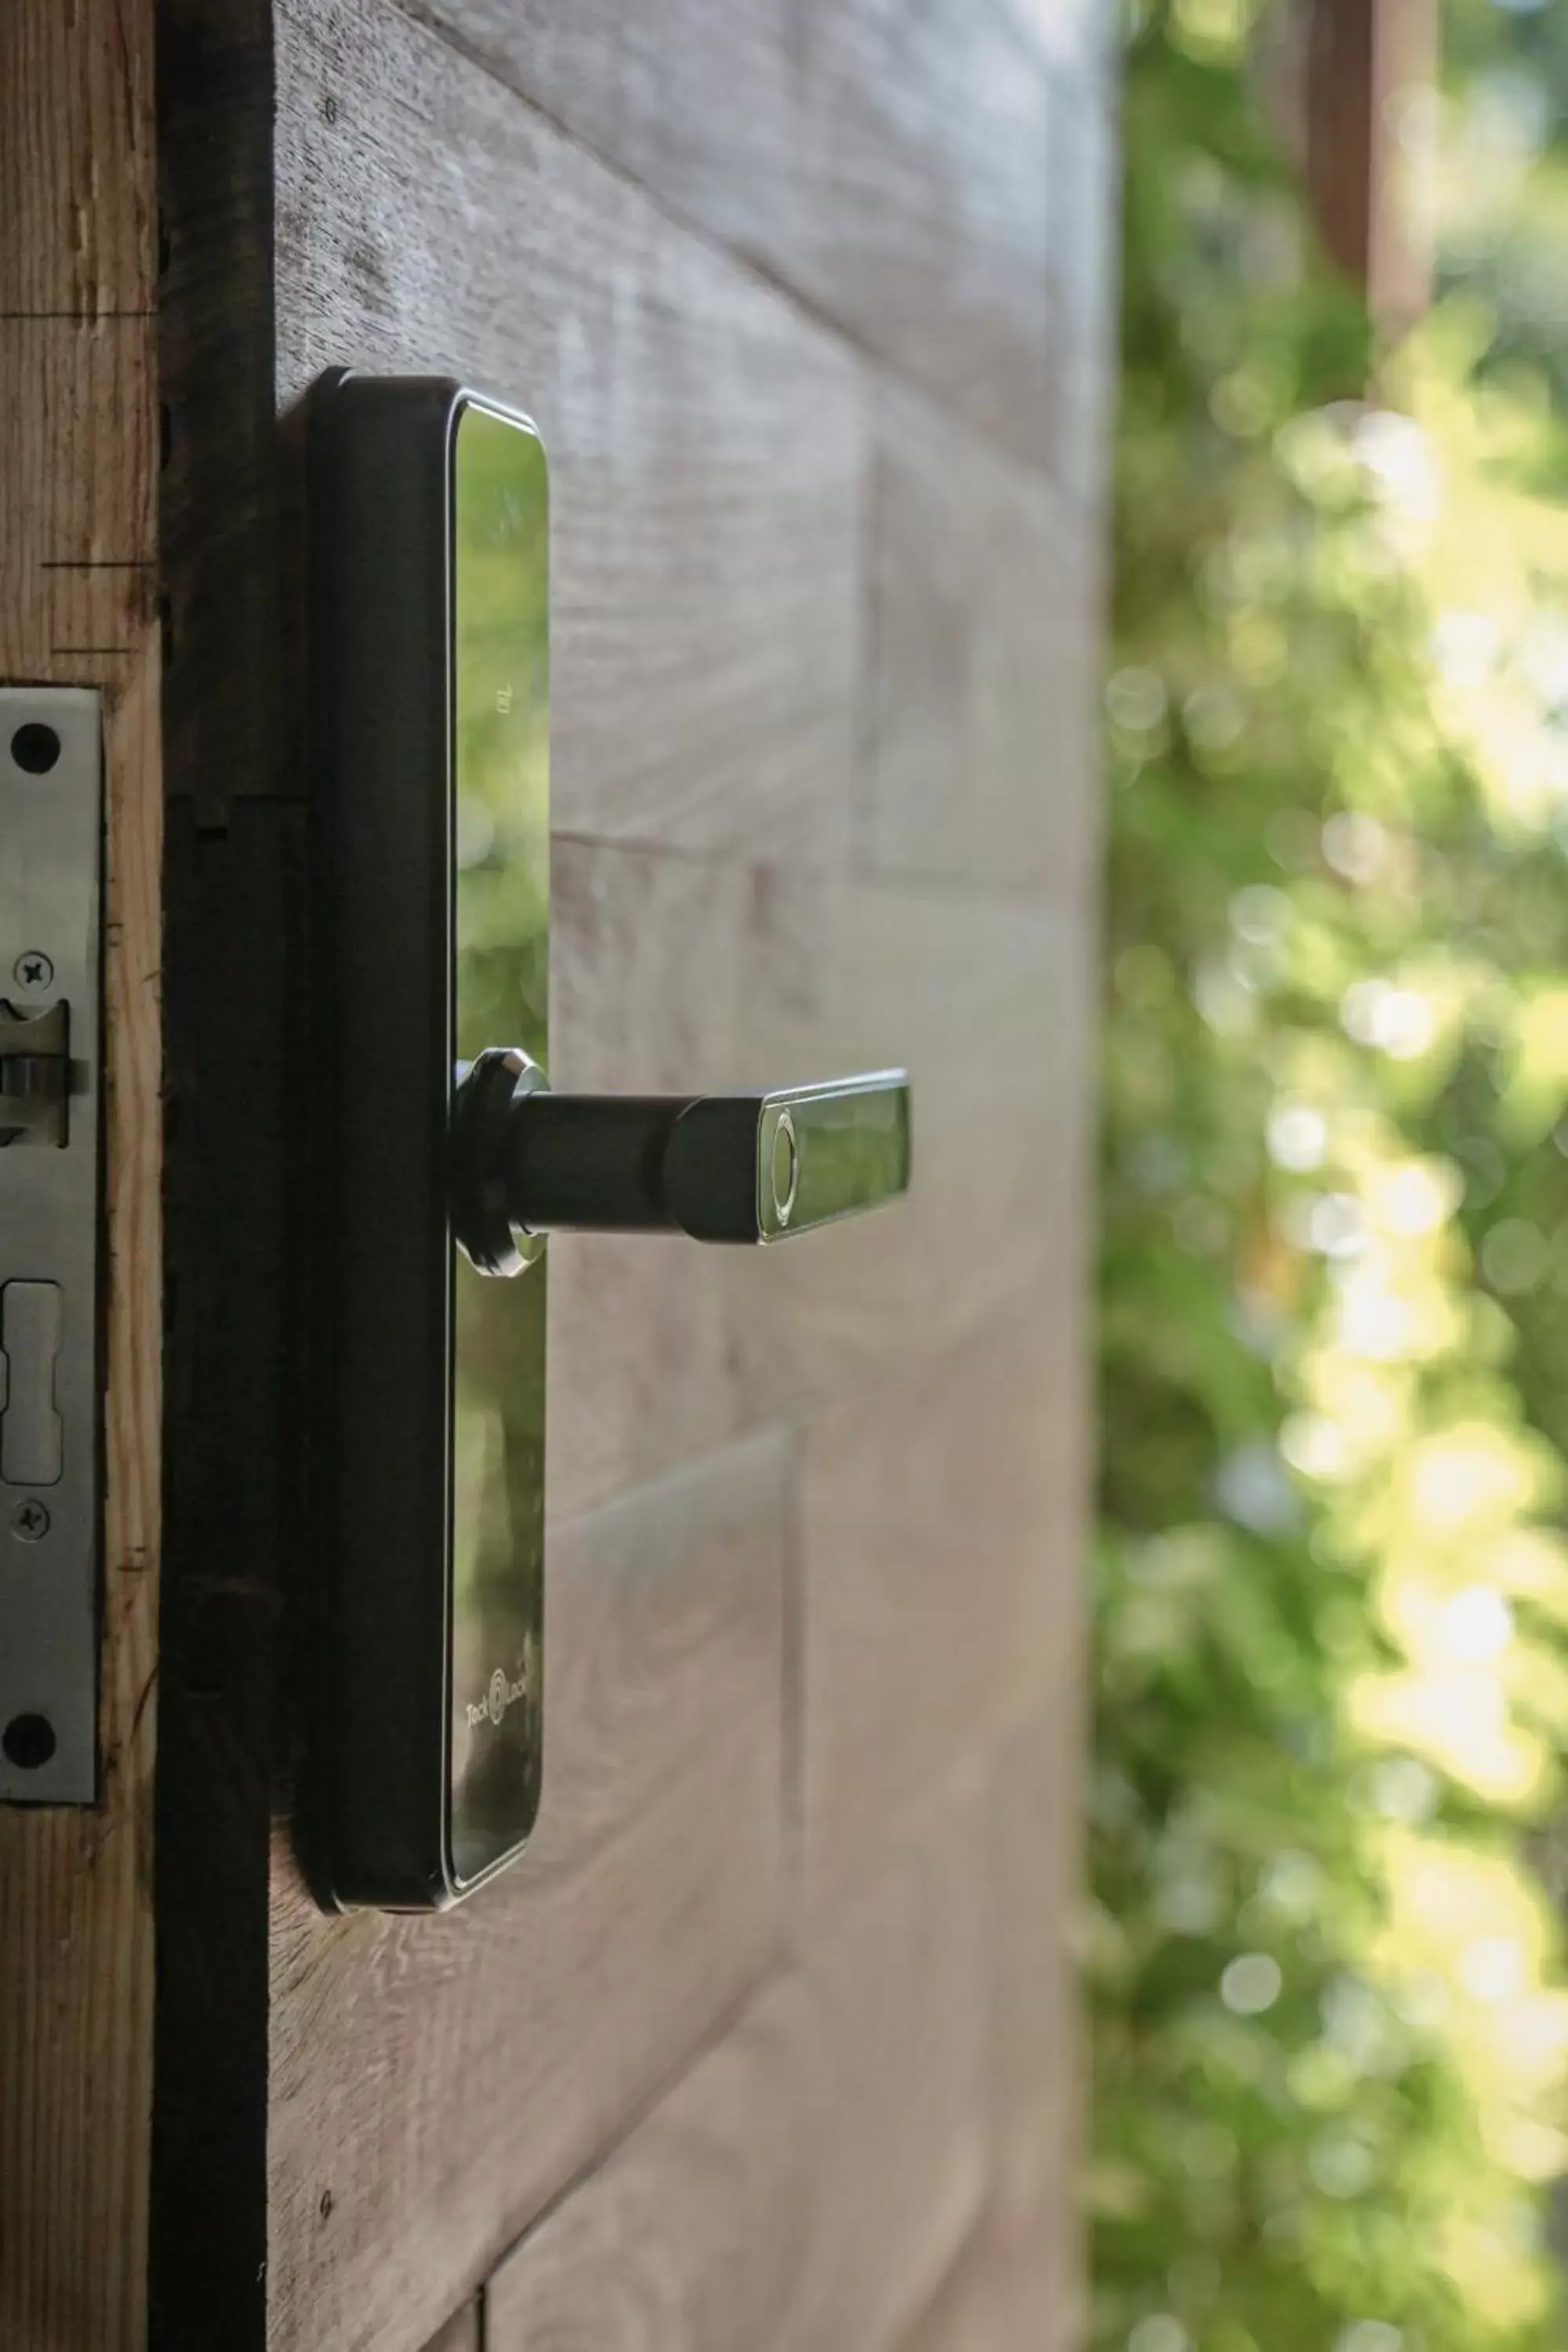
<point x="78" y="440"/>
<point x="894" y="165"/>
<point x="75" y="165"/>
<point x="987" y="675"/>
<point x="939" y="1525"/>
<point x="678" y="972"/>
<point x="77" y="584"/>
<point x="989" y="1007"/>
<point x="805" y="2187"/>
<point x="705" y="442"/>
<point x="792" y="1489"/>
<point x="435" y="2079"/>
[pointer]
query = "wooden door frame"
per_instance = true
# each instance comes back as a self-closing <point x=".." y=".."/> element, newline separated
<point x="233" y="1014"/>
<point x="78" y="455"/>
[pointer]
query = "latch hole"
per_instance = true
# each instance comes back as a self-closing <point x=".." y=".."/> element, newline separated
<point x="35" y="748"/>
<point x="28" y="1741"/>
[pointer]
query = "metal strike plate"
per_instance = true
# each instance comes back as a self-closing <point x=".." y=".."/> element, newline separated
<point x="51" y="824"/>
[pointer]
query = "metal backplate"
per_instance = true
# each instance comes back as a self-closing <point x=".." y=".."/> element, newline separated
<point x="51" y="820"/>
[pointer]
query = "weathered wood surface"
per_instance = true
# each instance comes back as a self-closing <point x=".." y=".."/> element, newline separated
<point x="806" y="2186"/>
<point x="669" y="968"/>
<point x="705" y="440"/>
<point x="77" y="606"/>
<point x="853" y="2164"/>
<point x="983" y="670"/>
<point x="461" y="2333"/>
<point x="1016" y="2286"/>
<point x="998" y="2297"/>
<point x="436" y="2079"/>
<point x="936" y="1540"/>
<point x="910" y="173"/>
<point x="811" y="307"/>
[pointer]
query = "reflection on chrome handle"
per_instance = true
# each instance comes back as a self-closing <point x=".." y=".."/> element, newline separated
<point x="721" y="1168"/>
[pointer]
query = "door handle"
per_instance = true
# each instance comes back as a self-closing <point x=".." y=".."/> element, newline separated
<point x="741" y="1167"/>
<point x="428" y="581"/>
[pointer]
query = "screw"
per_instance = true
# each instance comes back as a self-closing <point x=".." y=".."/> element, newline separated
<point x="32" y="970"/>
<point x="30" y="1520"/>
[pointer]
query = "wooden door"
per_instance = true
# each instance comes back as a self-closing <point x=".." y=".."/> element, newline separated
<point x="767" y="2044"/>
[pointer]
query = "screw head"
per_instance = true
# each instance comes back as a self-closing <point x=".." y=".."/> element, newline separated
<point x="32" y="969"/>
<point x="30" y="1520"/>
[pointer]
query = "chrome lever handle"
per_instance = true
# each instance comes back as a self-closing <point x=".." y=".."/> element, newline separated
<point x="719" y="1167"/>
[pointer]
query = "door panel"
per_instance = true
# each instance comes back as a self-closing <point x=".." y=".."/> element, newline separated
<point x="808" y="2182"/>
<point x="767" y="2043"/>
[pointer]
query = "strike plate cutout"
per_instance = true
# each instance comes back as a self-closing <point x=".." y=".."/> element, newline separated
<point x="52" y="822"/>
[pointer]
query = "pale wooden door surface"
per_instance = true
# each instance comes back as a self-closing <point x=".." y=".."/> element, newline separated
<point x="767" y="2044"/>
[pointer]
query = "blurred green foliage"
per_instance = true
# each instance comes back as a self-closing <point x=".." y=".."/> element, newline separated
<point x="1331" y="2029"/>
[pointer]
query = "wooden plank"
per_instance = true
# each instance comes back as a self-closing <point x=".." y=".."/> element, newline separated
<point x="1017" y="2285"/>
<point x="1085" y="162"/>
<point x="236" y="1527"/>
<point x="648" y="990"/>
<point x="894" y="165"/>
<point x="77" y="583"/>
<point x="436" y="2079"/>
<point x="75" y="165"/>
<point x="1034" y="2248"/>
<point x="78" y="439"/>
<point x="806" y="2185"/>
<point x="939" y="1528"/>
<point x="668" y="972"/>
<point x="239" y="1531"/>
<point x="985" y="587"/>
<point x="1363" y="59"/>
<point x="989" y="1007"/>
<point x="705" y="442"/>
<point x="220" y="545"/>
<point x="461" y="2333"/>
<point x="1000" y="2296"/>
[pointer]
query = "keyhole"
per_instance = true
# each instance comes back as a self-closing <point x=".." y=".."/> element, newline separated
<point x="35" y="748"/>
<point x="28" y="1741"/>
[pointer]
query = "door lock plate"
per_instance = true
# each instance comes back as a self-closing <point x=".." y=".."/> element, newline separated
<point x="51" y="821"/>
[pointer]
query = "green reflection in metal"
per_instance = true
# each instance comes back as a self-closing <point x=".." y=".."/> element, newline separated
<point x="825" y="1153"/>
<point x="502" y="859"/>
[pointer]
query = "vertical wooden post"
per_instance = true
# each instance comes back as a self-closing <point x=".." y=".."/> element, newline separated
<point x="78" y="458"/>
<point x="1363" y="59"/>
